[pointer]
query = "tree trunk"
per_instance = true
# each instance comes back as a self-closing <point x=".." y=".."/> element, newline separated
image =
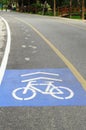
<point x="83" y="13"/>
<point x="70" y="8"/>
<point x="54" y="7"/>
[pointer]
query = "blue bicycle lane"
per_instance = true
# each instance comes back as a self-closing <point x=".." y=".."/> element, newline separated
<point x="67" y="90"/>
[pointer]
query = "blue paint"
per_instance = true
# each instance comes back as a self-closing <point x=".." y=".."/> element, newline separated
<point x="14" y="79"/>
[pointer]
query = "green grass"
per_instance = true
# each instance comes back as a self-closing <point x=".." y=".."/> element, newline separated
<point x="76" y="17"/>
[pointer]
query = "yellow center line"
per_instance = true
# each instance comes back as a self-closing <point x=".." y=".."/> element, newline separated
<point x="62" y="57"/>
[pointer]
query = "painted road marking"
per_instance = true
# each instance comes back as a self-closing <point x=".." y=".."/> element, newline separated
<point x="55" y="91"/>
<point x="41" y="87"/>
<point x="62" y="57"/>
<point x="7" y="51"/>
<point x="34" y="52"/>
<point x="23" y="46"/>
<point x="26" y="38"/>
<point x="27" y="58"/>
<point x="32" y="41"/>
<point x="33" y="47"/>
<point x="36" y="73"/>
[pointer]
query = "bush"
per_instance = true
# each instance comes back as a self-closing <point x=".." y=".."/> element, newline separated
<point x="35" y="8"/>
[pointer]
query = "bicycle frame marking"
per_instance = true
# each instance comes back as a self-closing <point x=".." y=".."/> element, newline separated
<point x="51" y="89"/>
<point x="47" y="90"/>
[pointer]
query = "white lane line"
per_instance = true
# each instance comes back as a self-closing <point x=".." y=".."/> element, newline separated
<point x="6" y="53"/>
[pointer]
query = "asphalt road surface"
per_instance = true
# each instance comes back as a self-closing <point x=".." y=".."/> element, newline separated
<point x="40" y="42"/>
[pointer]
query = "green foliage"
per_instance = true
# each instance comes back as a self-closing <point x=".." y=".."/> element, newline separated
<point x="58" y="2"/>
<point x="5" y="2"/>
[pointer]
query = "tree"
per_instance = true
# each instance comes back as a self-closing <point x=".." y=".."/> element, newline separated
<point x="83" y="7"/>
<point x="54" y="7"/>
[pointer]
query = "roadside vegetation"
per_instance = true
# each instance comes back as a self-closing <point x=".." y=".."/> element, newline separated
<point x="65" y="8"/>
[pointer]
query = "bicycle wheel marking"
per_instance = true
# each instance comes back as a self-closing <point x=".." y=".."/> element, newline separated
<point x="41" y="87"/>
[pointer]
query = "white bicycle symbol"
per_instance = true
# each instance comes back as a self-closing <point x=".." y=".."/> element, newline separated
<point x="58" y="92"/>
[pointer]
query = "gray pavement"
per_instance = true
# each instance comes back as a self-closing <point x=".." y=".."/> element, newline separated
<point x="2" y="38"/>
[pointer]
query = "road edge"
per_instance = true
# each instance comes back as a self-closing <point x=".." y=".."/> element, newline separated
<point x="7" y="51"/>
